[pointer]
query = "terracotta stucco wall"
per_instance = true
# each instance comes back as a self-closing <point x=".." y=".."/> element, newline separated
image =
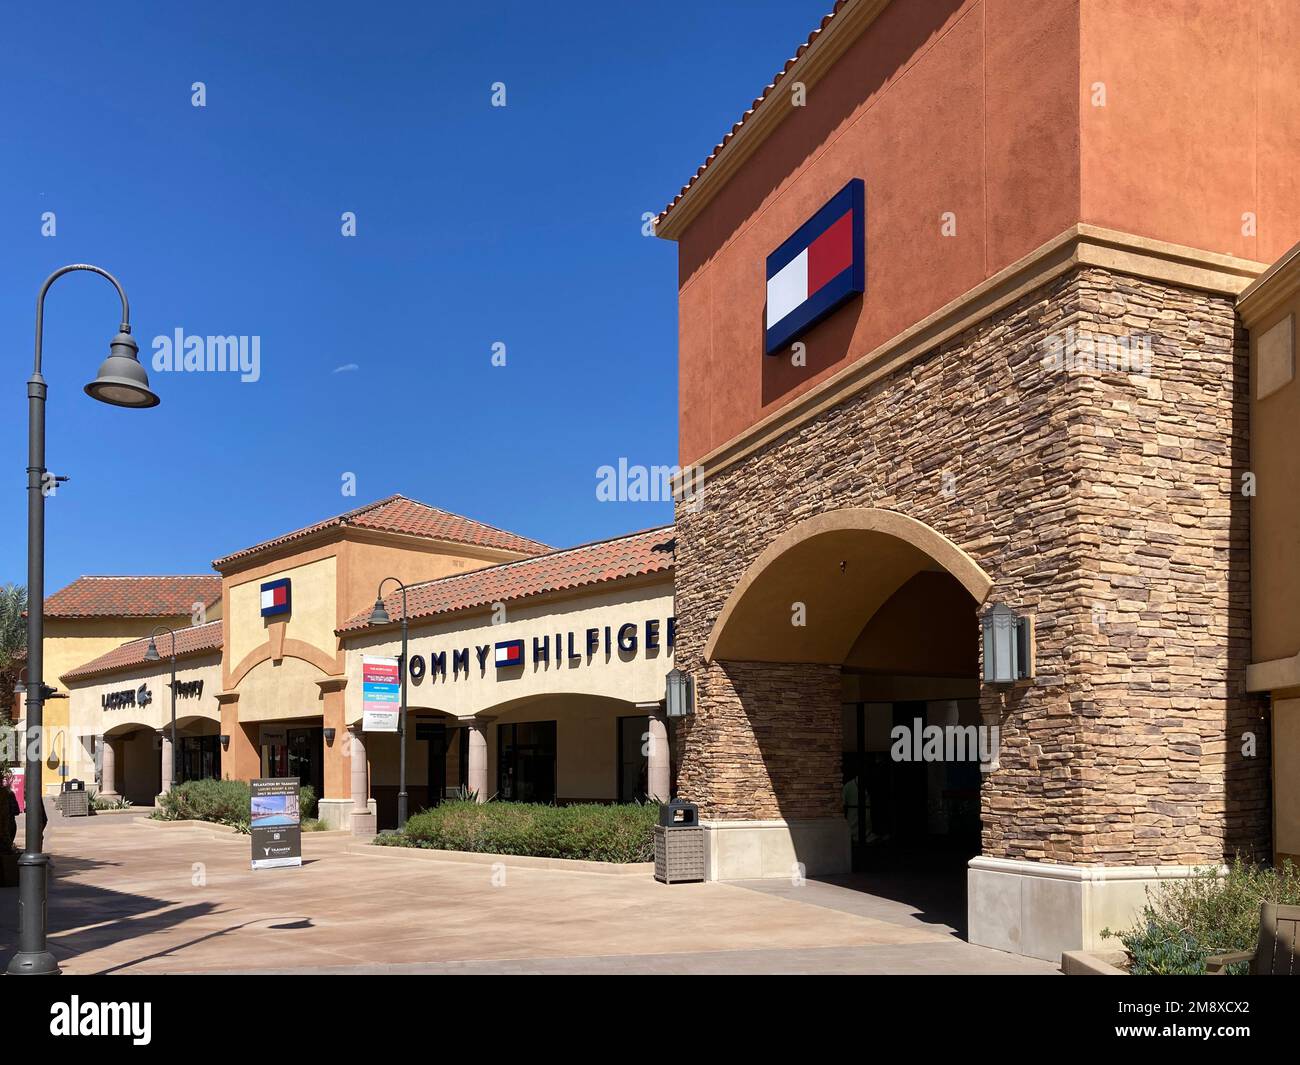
<point x="1200" y="125"/>
<point x="991" y="110"/>
<point x="969" y="108"/>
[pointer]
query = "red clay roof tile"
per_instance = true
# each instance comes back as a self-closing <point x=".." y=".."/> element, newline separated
<point x="133" y="597"/>
<point x="635" y="555"/>
<point x="401" y="515"/>
<point x="194" y="640"/>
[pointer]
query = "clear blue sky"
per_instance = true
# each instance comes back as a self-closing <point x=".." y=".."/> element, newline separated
<point x="475" y="225"/>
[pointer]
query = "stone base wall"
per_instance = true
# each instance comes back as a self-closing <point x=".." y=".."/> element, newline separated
<point x="779" y="727"/>
<point x="1105" y="503"/>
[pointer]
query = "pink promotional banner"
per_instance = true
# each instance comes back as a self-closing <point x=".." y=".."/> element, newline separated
<point x="16" y="780"/>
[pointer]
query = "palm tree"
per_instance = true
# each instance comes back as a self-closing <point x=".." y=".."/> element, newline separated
<point x="13" y="642"/>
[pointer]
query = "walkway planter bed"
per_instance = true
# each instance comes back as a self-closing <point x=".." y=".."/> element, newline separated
<point x="589" y="832"/>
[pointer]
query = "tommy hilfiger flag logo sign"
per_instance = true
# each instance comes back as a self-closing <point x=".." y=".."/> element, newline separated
<point x="510" y="653"/>
<point x="275" y="597"/>
<point x="820" y="267"/>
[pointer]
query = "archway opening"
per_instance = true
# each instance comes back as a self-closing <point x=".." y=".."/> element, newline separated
<point x="862" y="626"/>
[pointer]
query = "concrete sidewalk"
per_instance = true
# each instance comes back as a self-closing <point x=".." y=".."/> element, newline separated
<point x="134" y="898"/>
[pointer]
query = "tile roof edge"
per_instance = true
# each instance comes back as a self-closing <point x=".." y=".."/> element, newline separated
<point x="516" y="562"/>
<point x="81" y="672"/>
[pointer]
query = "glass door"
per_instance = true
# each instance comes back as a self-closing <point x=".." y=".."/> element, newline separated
<point x="526" y="761"/>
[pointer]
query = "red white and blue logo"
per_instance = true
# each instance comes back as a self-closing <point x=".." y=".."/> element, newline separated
<point x="510" y="653"/>
<point x="820" y="267"/>
<point x="275" y="597"/>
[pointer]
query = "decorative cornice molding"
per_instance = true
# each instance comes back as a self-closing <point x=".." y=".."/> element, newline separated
<point x="1274" y="287"/>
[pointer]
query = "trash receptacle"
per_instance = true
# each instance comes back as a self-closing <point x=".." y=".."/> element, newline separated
<point x="679" y="843"/>
<point x="74" y="800"/>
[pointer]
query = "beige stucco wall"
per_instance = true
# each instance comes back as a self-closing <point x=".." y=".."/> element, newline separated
<point x="1275" y="508"/>
<point x="88" y="717"/>
<point x="1286" y="778"/>
<point x="72" y="642"/>
<point x="280" y="691"/>
<point x="311" y="618"/>
<point x="632" y="678"/>
<point x="367" y="562"/>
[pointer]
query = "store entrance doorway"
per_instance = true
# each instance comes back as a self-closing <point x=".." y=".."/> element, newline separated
<point x="295" y="752"/>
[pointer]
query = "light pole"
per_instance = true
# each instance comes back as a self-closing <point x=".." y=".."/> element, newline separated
<point x="379" y="616"/>
<point x="151" y="655"/>
<point x="122" y="382"/>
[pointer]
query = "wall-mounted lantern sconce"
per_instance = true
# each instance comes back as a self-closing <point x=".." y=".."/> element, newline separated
<point x="329" y="736"/>
<point x="680" y="694"/>
<point x="1007" y="646"/>
<point x="225" y="741"/>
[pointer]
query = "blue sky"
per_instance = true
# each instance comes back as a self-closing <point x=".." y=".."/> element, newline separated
<point x="475" y="225"/>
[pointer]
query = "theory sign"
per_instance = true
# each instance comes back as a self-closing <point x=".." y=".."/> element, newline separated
<point x="822" y="265"/>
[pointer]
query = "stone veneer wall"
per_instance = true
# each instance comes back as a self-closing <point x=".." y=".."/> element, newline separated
<point x="1107" y="505"/>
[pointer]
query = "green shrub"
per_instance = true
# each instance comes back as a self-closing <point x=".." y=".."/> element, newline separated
<point x="617" y="833"/>
<point x="306" y="802"/>
<point x="225" y="802"/>
<point x="1186" y="921"/>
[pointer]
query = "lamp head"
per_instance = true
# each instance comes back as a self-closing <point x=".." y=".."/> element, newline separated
<point x="379" y="616"/>
<point x="151" y="652"/>
<point x="121" y="380"/>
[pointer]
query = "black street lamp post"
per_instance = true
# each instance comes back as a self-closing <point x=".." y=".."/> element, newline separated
<point x="151" y="655"/>
<point x="122" y="382"/>
<point x="379" y="616"/>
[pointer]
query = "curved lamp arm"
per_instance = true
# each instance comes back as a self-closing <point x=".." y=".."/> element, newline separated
<point x="40" y="300"/>
<point x="163" y="628"/>
<point x="379" y="594"/>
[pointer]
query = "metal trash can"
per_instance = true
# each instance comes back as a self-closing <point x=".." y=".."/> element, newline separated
<point x="679" y="843"/>
<point x="74" y="799"/>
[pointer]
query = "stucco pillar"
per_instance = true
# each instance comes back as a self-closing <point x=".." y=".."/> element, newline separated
<point x="478" y="760"/>
<point x="363" y="816"/>
<point x="108" y="770"/>
<point x="165" y="779"/>
<point x="659" y="768"/>
<point x="335" y="807"/>
<point x="241" y="756"/>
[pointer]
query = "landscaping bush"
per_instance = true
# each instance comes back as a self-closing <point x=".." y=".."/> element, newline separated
<point x="225" y="802"/>
<point x="1187" y="921"/>
<point x="622" y="833"/>
<point x="306" y="802"/>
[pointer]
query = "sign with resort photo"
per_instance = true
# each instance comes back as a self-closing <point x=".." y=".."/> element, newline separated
<point x="274" y="822"/>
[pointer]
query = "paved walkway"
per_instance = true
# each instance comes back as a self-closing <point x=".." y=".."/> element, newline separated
<point x="130" y="897"/>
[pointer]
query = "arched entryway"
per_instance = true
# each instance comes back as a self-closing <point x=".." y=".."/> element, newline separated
<point x="132" y="762"/>
<point x="842" y="651"/>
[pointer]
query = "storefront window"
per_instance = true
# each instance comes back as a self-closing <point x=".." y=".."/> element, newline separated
<point x="526" y="761"/>
<point x="200" y="758"/>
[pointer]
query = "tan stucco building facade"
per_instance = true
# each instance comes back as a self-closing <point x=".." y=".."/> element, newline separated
<point x="274" y="687"/>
